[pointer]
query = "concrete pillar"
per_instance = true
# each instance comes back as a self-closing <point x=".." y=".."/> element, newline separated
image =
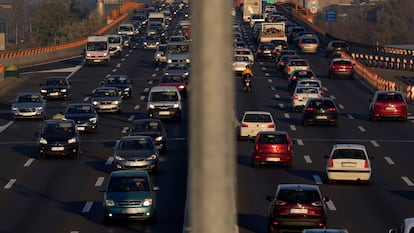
<point x="212" y="136"/>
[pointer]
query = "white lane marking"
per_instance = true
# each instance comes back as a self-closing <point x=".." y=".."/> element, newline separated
<point x="118" y="65"/>
<point x="269" y="80"/>
<point x="307" y="159"/>
<point x="330" y="205"/>
<point x="292" y="127"/>
<point x="87" y="207"/>
<point x="281" y="105"/>
<point x="114" y="70"/>
<point x="136" y="107"/>
<point x="109" y="160"/>
<point x="4" y="127"/>
<point x="277" y="96"/>
<point x="125" y="129"/>
<point x="299" y="142"/>
<point x="141" y="97"/>
<point x="286" y="115"/>
<point x="123" y="59"/>
<point x="146" y="89"/>
<point x="150" y="81"/>
<point x="126" y="55"/>
<point x="273" y="88"/>
<point x="332" y="97"/>
<point x="361" y="129"/>
<point x="85" y="99"/>
<point x="74" y="231"/>
<point x="410" y="117"/>
<point x="407" y="181"/>
<point x="99" y="181"/>
<point x="389" y="160"/>
<point x="263" y="68"/>
<point x="28" y="162"/>
<point x="317" y="179"/>
<point x="267" y="74"/>
<point x="153" y="75"/>
<point x="131" y="118"/>
<point x="157" y="69"/>
<point x="341" y="106"/>
<point x="374" y="143"/>
<point x="10" y="184"/>
<point x="261" y="63"/>
<point x="350" y="116"/>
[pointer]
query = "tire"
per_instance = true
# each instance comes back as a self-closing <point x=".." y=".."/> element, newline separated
<point x="107" y="221"/>
<point x="289" y="165"/>
<point x="305" y="123"/>
<point x="254" y="164"/>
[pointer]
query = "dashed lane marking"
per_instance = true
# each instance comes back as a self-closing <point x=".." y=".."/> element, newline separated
<point x="114" y="70"/>
<point x="292" y="127"/>
<point x="10" y="184"/>
<point x="317" y="179"/>
<point x="85" y="99"/>
<point x="332" y="97"/>
<point x="150" y="82"/>
<point x="389" y="160"/>
<point x="109" y="160"/>
<point x="157" y="69"/>
<point x="28" y="162"/>
<point x="270" y="80"/>
<point x="361" y="129"/>
<point x="407" y="181"/>
<point x="350" y="116"/>
<point x="99" y="181"/>
<point x="125" y="129"/>
<point x="263" y="68"/>
<point x="87" y="207"/>
<point x="146" y="89"/>
<point x="141" y="97"/>
<point x="136" y="107"/>
<point x="281" y="105"/>
<point x="286" y="115"/>
<point x="330" y="205"/>
<point x="299" y="142"/>
<point x="374" y="143"/>
<point x="4" y="127"/>
<point x="267" y="74"/>
<point x="273" y="88"/>
<point x="341" y="106"/>
<point x="131" y="118"/>
<point x="153" y="75"/>
<point x="307" y="159"/>
<point x="277" y="96"/>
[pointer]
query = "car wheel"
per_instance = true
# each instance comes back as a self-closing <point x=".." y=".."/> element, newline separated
<point x="254" y="164"/>
<point x="107" y="221"/>
<point x="76" y="155"/>
<point x="305" y="123"/>
<point x="289" y="165"/>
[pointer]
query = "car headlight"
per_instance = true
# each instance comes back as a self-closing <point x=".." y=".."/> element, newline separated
<point x="109" y="203"/>
<point x="115" y="102"/>
<point x="72" y="140"/>
<point x="126" y="89"/>
<point x="105" y="54"/>
<point x="39" y="108"/>
<point x="167" y="73"/>
<point x="186" y="73"/>
<point x="151" y="106"/>
<point x="145" y="43"/>
<point x="93" y="120"/>
<point x="157" y="139"/>
<point x="119" y="158"/>
<point x="157" y="43"/>
<point x="43" y="91"/>
<point x="42" y="141"/>
<point x="187" y="60"/>
<point x="147" y="202"/>
<point x="151" y="157"/>
<point x="118" y="47"/>
<point x="15" y="108"/>
<point x="95" y="102"/>
<point x="181" y="87"/>
<point x="176" y="106"/>
<point x="169" y="60"/>
<point x="64" y="90"/>
<point x="158" y="55"/>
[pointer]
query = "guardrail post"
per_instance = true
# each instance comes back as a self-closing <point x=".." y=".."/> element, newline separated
<point x="212" y="194"/>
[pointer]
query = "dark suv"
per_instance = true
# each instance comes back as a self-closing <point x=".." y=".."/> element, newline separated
<point x="296" y="206"/>
<point x="335" y="48"/>
<point x="266" y="51"/>
<point x="320" y="110"/>
<point x="55" y="88"/>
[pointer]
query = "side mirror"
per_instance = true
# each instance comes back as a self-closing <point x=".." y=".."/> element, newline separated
<point x="155" y="188"/>
<point x="325" y="199"/>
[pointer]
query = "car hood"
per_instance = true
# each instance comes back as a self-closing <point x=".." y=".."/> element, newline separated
<point x="80" y="116"/>
<point x="105" y="98"/>
<point x="27" y="105"/>
<point x="146" y="133"/>
<point x="137" y="154"/>
<point x="121" y="86"/>
<point x="125" y="196"/>
<point x="63" y="138"/>
<point x="54" y="87"/>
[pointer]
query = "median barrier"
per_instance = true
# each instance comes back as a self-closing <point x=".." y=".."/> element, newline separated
<point x="1" y="72"/>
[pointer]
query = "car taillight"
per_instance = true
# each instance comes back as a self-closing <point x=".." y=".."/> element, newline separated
<point x="331" y="163"/>
<point x="280" y="202"/>
<point x="256" y="147"/>
<point x="294" y="78"/>
<point x="366" y="164"/>
<point x="282" y="63"/>
<point x="295" y="97"/>
<point x="310" y="109"/>
<point x="274" y="51"/>
<point x="289" y="68"/>
<point x="259" y="51"/>
<point x="270" y="125"/>
<point x="244" y="125"/>
<point x="317" y="203"/>
<point x="332" y="109"/>
<point x="289" y="148"/>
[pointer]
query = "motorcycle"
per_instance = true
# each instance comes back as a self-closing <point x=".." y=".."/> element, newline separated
<point x="247" y="83"/>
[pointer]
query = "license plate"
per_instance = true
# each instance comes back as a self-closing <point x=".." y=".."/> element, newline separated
<point x="348" y="164"/>
<point x="96" y="60"/>
<point x="164" y="113"/>
<point x="266" y="51"/>
<point x="81" y="128"/>
<point x="273" y="159"/>
<point x="58" y="148"/>
<point x="390" y="108"/>
<point x="54" y="94"/>
<point x="321" y="117"/>
<point x="129" y="211"/>
<point x="298" y="211"/>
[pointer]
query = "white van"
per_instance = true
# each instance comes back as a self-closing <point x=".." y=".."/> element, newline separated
<point x="115" y="45"/>
<point x="127" y="29"/>
<point x="97" y="50"/>
<point x="164" y="102"/>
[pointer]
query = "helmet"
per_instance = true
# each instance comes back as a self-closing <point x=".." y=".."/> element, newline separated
<point x="247" y="66"/>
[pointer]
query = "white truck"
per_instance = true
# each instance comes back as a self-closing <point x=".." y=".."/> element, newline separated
<point x="157" y="17"/>
<point x="251" y="7"/>
<point x="97" y="50"/>
<point x="272" y="31"/>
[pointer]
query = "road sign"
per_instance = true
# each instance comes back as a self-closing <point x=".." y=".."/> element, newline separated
<point x="313" y="2"/>
<point x="330" y="15"/>
<point x="313" y="9"/>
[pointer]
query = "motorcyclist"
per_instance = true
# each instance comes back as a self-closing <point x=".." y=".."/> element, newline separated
<point x="247" y="78"/>
<point x="247" y="71"/>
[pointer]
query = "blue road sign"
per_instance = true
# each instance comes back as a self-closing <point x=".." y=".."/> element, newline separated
<point x="330" y="15"/>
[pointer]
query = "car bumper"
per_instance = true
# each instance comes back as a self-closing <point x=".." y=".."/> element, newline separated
<point x="164" y="114"/>
<point x="107" y="108"/>
<point x="321" y="119"/>
<point x="390" y="114"/>
<point x="269" y="158"/>
<point x="22" y="115"/>
<point x="54" y="95"/>
<point x="348" y="175"/>
<point x="283" y="222"/>
<point x="86" y="127"/>
<point x="138" y="213"/>
<point x="50" y="150"/>
<point x="140" y="165"/>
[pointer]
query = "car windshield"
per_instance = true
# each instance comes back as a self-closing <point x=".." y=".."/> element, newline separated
<point x="79" y="109"/>
<point x="390" y="96"/>
<point x="134" y="144"/>
<point x="59" y="129"/>
<point x="55" y="82"/>
<point x="116" y="80"/>
<point x="164" y="96"/>
<point x="28" y="98"/>
<point x="272" y="139"/>
<point x="298" y="196"/>
<point x="257" y="118"/>
<point x="128" y="184"/>
<point x="105" y="93"/>
<point x="146" y="126"/>
<point x="241" y="59"/>
<point x="348" y="154"/>
<point x="178" y="49"/>
<point x="342" y="62"/>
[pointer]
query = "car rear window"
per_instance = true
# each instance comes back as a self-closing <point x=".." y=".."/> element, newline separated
<point x="348" y="154"/>
<point x="339" y="44"/>
<point x="309" y="41"/>
<point x="390" y="96"/>
<point x="298" y="63"/>
<point x="307" y="90"/>
<point x="257" y="118"/>
<point x="298" y="196"/>
<point x="321" y="104"/>
<point x="342" y="62"/>
<point x="272" y="139"/>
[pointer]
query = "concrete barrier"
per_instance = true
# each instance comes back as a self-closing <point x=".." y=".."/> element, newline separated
<point x="1" y="72"/>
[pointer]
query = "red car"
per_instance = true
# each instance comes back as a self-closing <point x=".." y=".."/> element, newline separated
<point x="388" y="104"/>
<point x="177" y="81"/>
<point x="341" y="67"/>
<point x="272" y="147"/>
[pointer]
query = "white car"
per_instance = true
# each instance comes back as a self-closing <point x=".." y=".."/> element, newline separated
<point x="240" y="62"/>
<point x="253" y="122"/>
<point x="311" y="82"/>
<point x="406" y="227"/>
<point x="245" y="52"/>
<point x="301" y="95"/>
<point x="348" y="162"/>
<point x="296" y="64"/>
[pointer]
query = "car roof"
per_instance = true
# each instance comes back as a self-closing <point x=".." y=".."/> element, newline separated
<point x="123" y="173"/>
<point x="298" y="187"/>
<point x="256" y="112"/>
<point x="275" y="132"/>
<point x="349" y="146"/>
<point x="163" y="88"/>
<point x="325" y="231"/>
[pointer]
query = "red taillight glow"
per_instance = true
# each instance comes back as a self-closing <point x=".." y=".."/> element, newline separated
<point x="244" y="125"/>
<point x="274" y="51"/>
<point x="296" y="97"/>
<point x="332" y="109"/>
<point x="331" y="163"/>
<point x="366" y="164"/>
<point x="310" y="109"/>
<point x="259" y="51"/>
<point x="270" y="126"/>
<point x="280" y="202"/>
<point x="256" y="147"/>
<point x="294" y="78"/>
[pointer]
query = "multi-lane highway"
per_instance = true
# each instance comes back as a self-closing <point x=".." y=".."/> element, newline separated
<point x="63" y="195"/>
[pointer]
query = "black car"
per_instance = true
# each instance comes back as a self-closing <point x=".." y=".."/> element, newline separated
<point x="320" y="110"/>
<point x="121" y="82"/>
<point x="84" y="115"/>
<point x="266" y="51"/>
<point x="296" y="75"/>
<point x="335" y="48"/>
<point x="281" y="64"/>
<point x="55" y="88"/>
<point x="153" y="128"/>
<point x="58" y="137"/>
<point x="296" y="206"/>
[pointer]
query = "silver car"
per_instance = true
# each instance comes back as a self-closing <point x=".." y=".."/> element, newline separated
<point x="106" y="99"/>
<point x="136" y="152"/>
<point x="28" y="105"/>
